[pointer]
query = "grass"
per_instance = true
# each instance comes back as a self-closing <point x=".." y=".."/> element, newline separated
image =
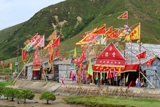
<point x="5" y="83"/>
<point x="94" y="101"/>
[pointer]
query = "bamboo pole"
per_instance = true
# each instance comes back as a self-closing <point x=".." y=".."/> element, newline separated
<point x="20" y="71"/>
<point x="147" y="79"/>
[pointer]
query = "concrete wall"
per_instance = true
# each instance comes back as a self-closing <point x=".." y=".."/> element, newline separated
<point x="87" y="90"/>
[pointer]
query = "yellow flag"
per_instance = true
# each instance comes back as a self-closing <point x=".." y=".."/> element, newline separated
<point x="134" y="34"/>
<point x="10" y="66"/>
<point x="75" y="53"/>
<point x="119" y="72"/>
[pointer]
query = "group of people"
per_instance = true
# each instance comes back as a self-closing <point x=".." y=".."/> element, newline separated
<point x="139" y="83"/>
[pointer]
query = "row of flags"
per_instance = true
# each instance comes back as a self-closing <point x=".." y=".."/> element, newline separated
<point x="39" y="41"/>
<point x="102" y="34"/>
<point x="9" y="65"/>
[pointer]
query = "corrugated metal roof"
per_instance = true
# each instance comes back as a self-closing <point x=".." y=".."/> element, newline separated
<point x="45" y="60"/>
<point x="131" y="50"/>
<point x="68" y="61"/>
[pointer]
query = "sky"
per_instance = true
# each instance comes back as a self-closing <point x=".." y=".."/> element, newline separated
<point x="14" y="12"/>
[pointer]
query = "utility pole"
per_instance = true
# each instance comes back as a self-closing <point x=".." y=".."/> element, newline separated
<point x="16" y="63"/>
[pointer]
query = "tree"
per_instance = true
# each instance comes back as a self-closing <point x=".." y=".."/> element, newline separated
<point x="18" y="95"/>
<point x="10" y="93"/>
<point x="47" y="96"/>
<point x="1" y="91"/>
<point x="27" y="94"/>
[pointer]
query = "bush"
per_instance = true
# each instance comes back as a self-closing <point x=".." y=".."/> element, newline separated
<point x="10" y="93"/>
<point x="47" y="96"/>
<point x="26" y="94"/>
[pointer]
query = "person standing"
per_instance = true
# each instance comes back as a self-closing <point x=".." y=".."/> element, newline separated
<point x="138" y="83"/>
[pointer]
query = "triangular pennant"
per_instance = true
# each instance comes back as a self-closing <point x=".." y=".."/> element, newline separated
<point x="124" y="15"/>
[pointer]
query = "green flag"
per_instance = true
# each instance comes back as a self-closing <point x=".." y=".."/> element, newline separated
<point x="127" y="78"/>
<point x="103" y="75"/>
<point x="90" y="70"/>
<point x="96" y="75"/>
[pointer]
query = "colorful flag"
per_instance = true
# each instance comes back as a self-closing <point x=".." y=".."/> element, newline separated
<point x="49" y="44"/>
<point x="27" y="46"/>
<point x="129" y="84"/>
<point x="57" y="53"/>
<point x="75" y="53"/>
<point x="141" y="55"/>
<point x="24" y="55"/>
<point x="2" y="64"/>
<point x="150" y="61"/>
<point x="134" y="34"/>
<point x="88" y="38"/>
<point x="119" y="72"/>
<point x="36" y="61"/>
<point x="51" y="59"/>
<point x="63" y="78"/>
<point x="109" y="75"/>
<point x="124" y="15"/>
<point x="90" y="69"/>
<point x="34" y="42"/>
<point x="113" y="35"/>
<point x="127" y="78"/>
<point x="42" y="42"/>
<point x="10" y="66"/>
<point x="103" y="75"/>
<point x="56" y="43"/>
<point x="101" y="30"/>
<point x="123" y="33"/>
<point x="34" y="37"/>
<point x="110" y="30"/>
<point x="53" y="36"/>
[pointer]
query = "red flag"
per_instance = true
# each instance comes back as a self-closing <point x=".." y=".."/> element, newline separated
<point x="101" y="30"/>
<point x="36" y="61"/>
<point x="34" y="38"/>
<point x="63" y="80"/>
<point x="24" y="55"/>
<point x="51" y="59"/>
<point x="56" y="43"/>
<point x="109" y="31"/>
<point x="113" y="35"/>
<point x="124" y="15"/>
<point x="129" y="84"/>
<point x="141" y="55"/>
<point x="8" y="64"/>
<point x="57" y="53"/>
<point x="150" y="61"/>
<point x="2" y="65"/>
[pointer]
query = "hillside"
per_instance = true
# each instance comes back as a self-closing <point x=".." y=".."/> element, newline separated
<point x="72" y="18"/>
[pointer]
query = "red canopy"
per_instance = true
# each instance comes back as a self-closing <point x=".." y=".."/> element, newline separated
<point x="128" y="67"/>
<point x="111" y="57"/>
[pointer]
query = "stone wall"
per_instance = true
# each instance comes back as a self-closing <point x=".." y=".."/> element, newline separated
<point x="87" y="90"/>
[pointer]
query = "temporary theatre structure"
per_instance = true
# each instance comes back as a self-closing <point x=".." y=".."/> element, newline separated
<point x="149" y="65"/>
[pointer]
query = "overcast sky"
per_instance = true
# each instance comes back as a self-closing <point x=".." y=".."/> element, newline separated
<point x="16" y="11"/>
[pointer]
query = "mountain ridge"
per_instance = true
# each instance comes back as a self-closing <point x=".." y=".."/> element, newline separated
<point x="85" y="15"/>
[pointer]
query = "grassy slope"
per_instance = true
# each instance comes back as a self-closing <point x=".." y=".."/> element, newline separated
<point x="5" y="33"/>
<point x="112" y="102"/>
<point x="94" y="15"/>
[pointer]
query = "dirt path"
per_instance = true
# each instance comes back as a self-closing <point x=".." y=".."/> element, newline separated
<point x="59" y="102"/>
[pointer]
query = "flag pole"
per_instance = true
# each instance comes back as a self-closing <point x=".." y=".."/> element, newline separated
<point x="139" y="49"/>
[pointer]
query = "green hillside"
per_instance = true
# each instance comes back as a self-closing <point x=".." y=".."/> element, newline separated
<point x="72" y="18"/>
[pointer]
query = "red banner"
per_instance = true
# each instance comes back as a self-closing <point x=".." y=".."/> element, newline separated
<point x="36" y="61"/>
